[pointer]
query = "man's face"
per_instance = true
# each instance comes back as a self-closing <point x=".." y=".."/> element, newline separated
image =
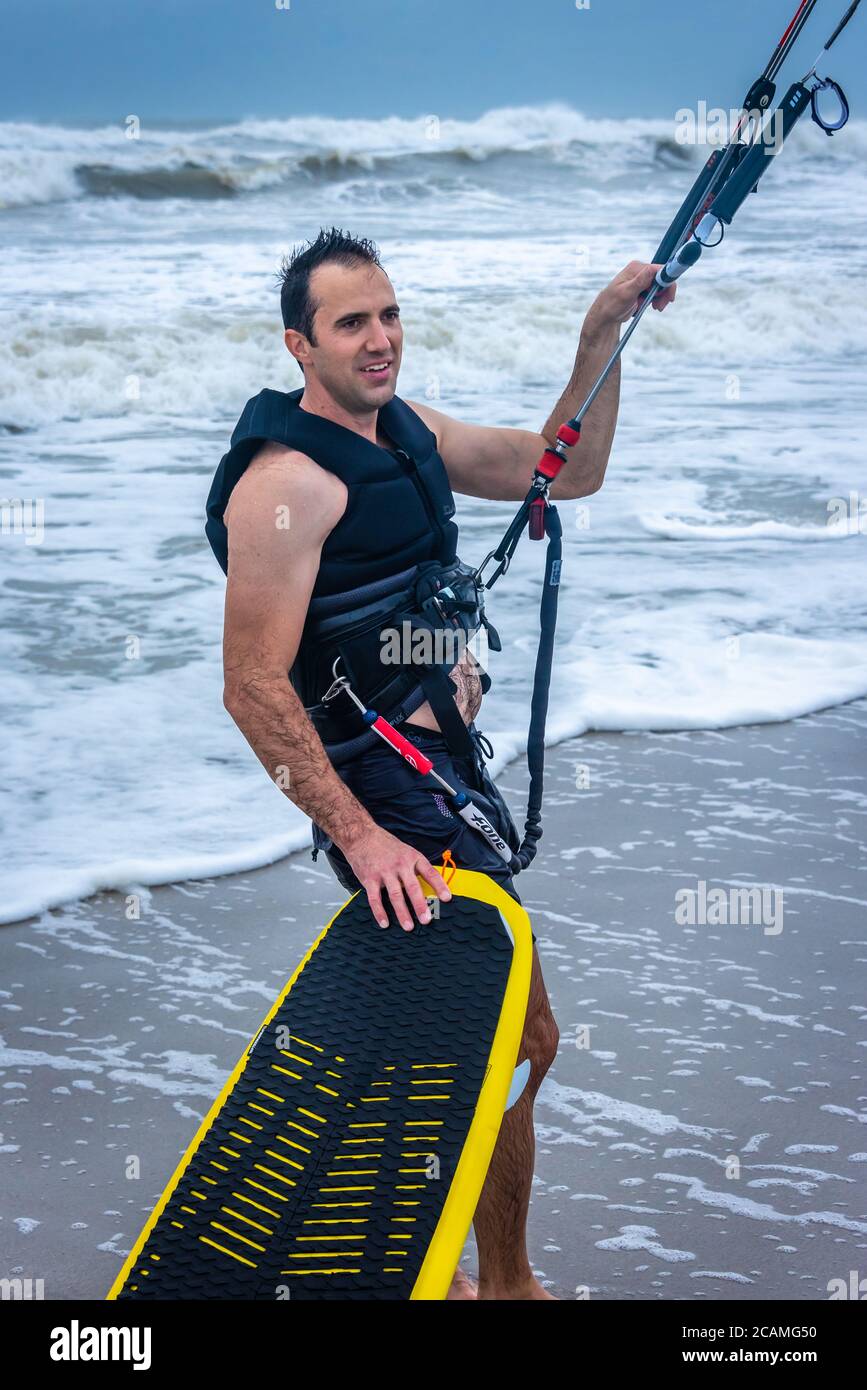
<point x="356" y="326"/>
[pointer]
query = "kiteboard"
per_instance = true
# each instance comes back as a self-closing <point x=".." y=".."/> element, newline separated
<point x="344" y="1157"/>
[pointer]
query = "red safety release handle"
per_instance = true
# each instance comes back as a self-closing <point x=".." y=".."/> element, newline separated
<point x="407" y="750"/>
<point x="536" y="523"/>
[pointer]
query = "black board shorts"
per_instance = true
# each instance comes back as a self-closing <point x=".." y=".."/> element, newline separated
<point x="413" y="809"/>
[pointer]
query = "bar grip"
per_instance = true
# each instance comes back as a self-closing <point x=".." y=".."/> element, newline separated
<point x="679" y="264"/>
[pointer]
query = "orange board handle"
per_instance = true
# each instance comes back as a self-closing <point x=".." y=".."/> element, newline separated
<point x="448" y="866"/>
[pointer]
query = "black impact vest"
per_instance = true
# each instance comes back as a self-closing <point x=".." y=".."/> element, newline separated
<point x="391" y="558"/>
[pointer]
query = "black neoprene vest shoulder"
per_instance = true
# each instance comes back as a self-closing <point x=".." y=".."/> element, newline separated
<point x="399" y="508"/>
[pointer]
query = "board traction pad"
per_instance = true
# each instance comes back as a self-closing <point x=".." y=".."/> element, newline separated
<point x="325" y="1170"/>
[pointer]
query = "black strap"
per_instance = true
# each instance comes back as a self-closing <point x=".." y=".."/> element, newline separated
<point x="541" y="686"/>
<point x="440" y="692"/>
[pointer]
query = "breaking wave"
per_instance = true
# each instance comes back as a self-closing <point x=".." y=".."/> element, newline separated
<point x="48" y="164"/>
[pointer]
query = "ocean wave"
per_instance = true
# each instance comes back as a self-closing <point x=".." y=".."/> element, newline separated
<point x="188" y="181"/>
<point x="199" y="359"/>
<point x="46" y="164"/>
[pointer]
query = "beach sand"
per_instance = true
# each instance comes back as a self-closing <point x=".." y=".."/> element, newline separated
<point x="701" y="1134"/>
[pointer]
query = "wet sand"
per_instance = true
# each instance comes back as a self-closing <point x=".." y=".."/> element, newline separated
<point x="701" y="1134"/>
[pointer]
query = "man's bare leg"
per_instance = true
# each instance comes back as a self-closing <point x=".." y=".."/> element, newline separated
<point x="500" y="1220"/>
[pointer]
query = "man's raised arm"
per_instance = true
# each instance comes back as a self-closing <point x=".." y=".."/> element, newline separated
<point x="497" y="463"/>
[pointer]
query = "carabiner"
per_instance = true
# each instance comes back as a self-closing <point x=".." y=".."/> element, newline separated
<point x="478" y="574"/>
<point x="339" y="683"/>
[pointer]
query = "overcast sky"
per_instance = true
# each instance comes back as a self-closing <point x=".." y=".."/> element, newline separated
<point x="175" y="60"/>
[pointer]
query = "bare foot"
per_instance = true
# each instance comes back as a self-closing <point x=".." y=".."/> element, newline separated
<point x="462" y="1287"/>
<point x="531" y="1289"/>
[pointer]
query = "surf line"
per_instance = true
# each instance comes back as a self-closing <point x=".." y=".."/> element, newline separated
<point x="729" y="176"/>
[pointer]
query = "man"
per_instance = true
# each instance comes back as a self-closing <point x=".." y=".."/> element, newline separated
<point x="284" y="525"/>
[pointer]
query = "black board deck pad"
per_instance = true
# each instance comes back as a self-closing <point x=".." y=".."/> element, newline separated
<point x="325" y="1167"/>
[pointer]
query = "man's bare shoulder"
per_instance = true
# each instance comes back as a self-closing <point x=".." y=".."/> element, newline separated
<point x="278" y="460"/>
<point x="277" y="473"/>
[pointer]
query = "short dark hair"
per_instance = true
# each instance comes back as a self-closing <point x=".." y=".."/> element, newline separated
<point x="296" y="303"/>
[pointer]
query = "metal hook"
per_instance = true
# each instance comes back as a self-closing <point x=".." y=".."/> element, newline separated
<point x="339" y="683"/>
